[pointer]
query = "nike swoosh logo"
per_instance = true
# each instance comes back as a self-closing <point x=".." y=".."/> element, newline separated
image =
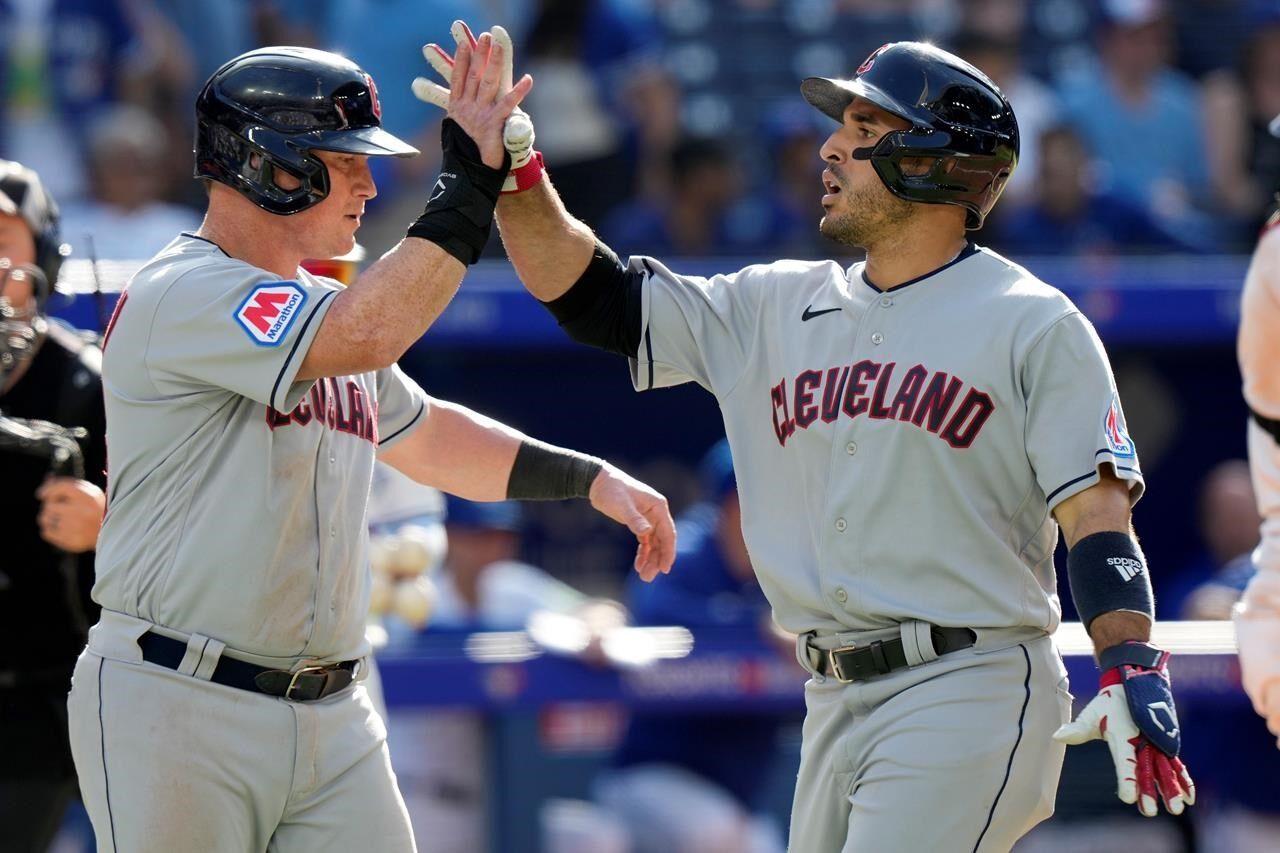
<point x="809" y="313"/>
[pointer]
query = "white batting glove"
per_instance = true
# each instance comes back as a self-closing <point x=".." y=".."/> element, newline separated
<point x="1146" y="755"/>
<point x="517" y="133"/>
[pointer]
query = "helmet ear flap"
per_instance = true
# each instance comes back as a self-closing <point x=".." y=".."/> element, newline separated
<point x="249" y="163"/>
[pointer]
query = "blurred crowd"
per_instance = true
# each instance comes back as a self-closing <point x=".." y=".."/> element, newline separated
<point x="674" y="127"/>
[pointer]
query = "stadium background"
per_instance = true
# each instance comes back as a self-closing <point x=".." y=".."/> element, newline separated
<point x="675" y="128"/>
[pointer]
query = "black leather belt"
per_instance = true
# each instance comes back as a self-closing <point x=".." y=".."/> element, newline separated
<point x="881" y="657"/>
<point x="304" y="685"/>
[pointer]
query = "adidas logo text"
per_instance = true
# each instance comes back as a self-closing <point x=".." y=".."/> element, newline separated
<point x="1128" y="569"/>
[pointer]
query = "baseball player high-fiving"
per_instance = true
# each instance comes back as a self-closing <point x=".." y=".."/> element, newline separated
<point x="1258" y="619"/>
<point x="910" y="433"/>
<point x="216" y="706"/>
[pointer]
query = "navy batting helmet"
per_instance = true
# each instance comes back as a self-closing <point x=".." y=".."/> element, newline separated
<point x="958" y="117"/>
<point x="268" y="109"/>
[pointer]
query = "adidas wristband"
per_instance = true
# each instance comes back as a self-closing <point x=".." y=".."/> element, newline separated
<point x="459" y="214"/>
<point x="1108" y="572"/>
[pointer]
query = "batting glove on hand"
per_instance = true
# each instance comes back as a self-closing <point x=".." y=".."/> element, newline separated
<point x="1134" y="713"/>
<point x="517" y="134"/>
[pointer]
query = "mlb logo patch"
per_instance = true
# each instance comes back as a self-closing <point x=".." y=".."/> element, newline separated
<point x="270" y="310"/>
<point x="1115" y="432"/>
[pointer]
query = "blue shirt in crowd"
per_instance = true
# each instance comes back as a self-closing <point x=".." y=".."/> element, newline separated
<point x="1140" y="148"/>
<point x="736" y="751"/>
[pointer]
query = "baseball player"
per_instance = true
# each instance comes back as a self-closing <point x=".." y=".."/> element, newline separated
<point x="217" y="705"/>
<point x="909" y="435"/>
<point x="1258" y="617"/>
<point x="52" y="430"/>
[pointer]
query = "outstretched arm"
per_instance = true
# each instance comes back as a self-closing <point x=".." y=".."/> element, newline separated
<point x="548" y="247"/>
<point x="373" y="322"/>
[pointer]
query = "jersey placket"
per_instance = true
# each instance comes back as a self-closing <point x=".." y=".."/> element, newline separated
<point x="839" y="564"/>
<point x="329" y="500"/>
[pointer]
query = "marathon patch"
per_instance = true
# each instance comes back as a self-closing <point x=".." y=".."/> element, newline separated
<point x="268" y="312"/>
<point x="1115" y="431"/>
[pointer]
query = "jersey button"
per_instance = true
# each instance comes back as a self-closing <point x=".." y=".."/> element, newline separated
<point x="877" y="338"/>
<point x="841" y="524"/>
<point x="333" y="460"/>
<point x="841" y="595"/>
<point x="851" y="448"/>
<point x="333" y="531"/>
<point x="886" y="301"/>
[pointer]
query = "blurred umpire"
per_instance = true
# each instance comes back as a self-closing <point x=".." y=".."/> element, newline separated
<point x="52" y="455"/>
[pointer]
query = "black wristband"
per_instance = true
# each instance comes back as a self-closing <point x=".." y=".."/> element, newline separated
<point x="459" y="214"/>
<point x="1107" y="573"/>
<point x="542" y="472"/>
<point x="1131" y="653"/>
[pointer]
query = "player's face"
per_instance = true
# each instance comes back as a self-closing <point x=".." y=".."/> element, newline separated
<point x="19" y="247"/>
<point x="329" y="228"/>
<point x="859" y="209"/>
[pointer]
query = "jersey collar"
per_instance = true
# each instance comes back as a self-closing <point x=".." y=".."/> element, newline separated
<point x="969" y="249"/>
<point x="203" y="240"/>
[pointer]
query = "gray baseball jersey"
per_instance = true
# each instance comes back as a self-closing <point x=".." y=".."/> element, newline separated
<point x="237" y="495"/>
<point x="898" y="453"/>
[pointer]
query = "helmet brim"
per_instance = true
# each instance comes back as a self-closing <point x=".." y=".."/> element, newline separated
<point x="832" y="97"/>
<point x="373" y="141"/>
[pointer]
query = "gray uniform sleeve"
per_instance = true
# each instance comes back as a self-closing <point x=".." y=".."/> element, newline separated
<point x="236" y="328"/>
<point x="402" y="405"/>
<point x="693" y="329"/>
<point x="1074" y="420"/>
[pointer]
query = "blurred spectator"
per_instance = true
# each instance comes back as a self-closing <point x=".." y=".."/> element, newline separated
<point x="1228" y="523"/>
<point x="1034" y="103"/>
<point x="1237" y="765"/>
<point x="691" y="782"/>
<point x="51" y="508"/>
<point x="704" y="214"/>
<point x="125" y="215"/>
<point x="104" y="51"/>
<point x="1140" y="119"/>
<point x="439" y="757"/>
<point x="594" y="69"/>
<point x="1245" y="157"/>
<point x="1212" y="33"/>
<point x="789" y="204"/>
<point x="215" y="32"/>
<point x="1068" y="215"/>
<point x="485" y="584"/>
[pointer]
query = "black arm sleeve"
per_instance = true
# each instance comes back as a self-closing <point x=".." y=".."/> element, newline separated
<point x="602" y="308"/>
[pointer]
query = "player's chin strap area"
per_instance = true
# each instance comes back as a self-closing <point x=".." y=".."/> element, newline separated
<point x="305" y="684"/>
<point x="846" y="662"/>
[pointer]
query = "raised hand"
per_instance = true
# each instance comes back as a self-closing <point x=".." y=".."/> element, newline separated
<point x="517" y="131"/>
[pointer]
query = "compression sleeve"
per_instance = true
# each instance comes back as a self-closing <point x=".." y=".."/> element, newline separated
<point x="603" y="307"/>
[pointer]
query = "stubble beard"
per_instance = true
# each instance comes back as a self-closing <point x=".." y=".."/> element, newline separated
<point x="869" y="214"/>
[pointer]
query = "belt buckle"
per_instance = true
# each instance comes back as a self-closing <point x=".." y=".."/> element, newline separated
<point x="288" y="692"/>
<point x="836" y="672"/>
